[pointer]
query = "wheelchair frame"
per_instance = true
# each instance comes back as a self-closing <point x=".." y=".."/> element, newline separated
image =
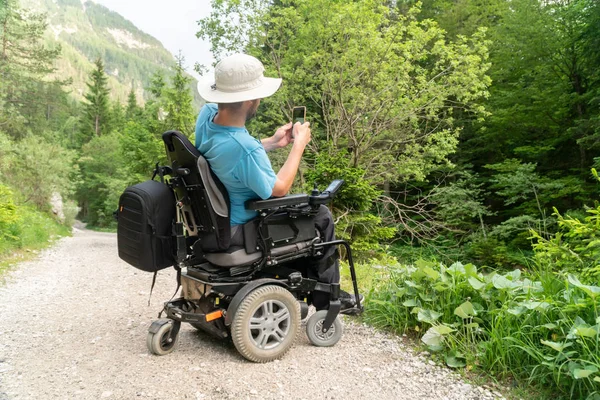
<point x="225" y="289"/>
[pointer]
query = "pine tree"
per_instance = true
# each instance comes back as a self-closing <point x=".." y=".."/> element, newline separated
<point x="132" y="110"/>
<point x="25" y="61"/>
<point x="117" y="115"/>
<point x="178" y="107"/>
<point x="96" y="109"/>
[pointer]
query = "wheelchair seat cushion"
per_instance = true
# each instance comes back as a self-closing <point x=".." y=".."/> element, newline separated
<point x="235" y="256"/>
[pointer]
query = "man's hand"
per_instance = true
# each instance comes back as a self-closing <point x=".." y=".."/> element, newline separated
<point x="287" y="173"/>
<point x="281" y="138"/>
<point x="301" y="134"/>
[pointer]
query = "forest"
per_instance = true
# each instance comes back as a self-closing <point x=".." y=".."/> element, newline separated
<point x="467" y="133"/>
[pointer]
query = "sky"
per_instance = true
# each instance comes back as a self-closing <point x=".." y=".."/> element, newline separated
<point x="173" y="22"/>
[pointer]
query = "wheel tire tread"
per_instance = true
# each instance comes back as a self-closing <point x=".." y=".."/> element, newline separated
<point x="237" y="331"/>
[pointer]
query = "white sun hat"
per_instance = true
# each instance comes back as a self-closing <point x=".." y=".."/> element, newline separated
<point x="239" y="77"/>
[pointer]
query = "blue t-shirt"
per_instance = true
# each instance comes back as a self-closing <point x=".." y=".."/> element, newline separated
<point x="239" y="161"/>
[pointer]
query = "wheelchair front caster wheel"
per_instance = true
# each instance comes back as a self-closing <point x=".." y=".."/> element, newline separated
<point x="266" y="324"/>
<point x="314" y="330"/>
<point x="159" y="339"/>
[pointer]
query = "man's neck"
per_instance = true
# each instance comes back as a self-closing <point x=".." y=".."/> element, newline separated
<point x="227" y="118"/>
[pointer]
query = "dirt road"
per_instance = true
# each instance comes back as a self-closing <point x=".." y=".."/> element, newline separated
<point x="73" y="325"/>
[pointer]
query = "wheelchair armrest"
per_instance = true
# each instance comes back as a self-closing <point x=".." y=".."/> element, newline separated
<point x="276" y="202"/>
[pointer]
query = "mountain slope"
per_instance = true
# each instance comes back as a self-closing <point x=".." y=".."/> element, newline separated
<point x="86" y="31"/>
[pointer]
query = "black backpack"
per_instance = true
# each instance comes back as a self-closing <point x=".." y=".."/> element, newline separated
<point x="145" y="216"/>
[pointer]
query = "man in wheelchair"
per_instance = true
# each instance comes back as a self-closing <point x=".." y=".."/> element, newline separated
<point x="250" y="258"/>
<point x="241" y="163"/>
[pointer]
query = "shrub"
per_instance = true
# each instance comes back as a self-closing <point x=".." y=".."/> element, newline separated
<point x="541" y="326"/>
<point x="8" y="212"/>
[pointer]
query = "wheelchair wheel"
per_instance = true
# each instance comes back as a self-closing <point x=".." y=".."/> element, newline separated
<point x="314" y="327"/>
<point x="266" y="324"/>
<point x="158" y="343"/>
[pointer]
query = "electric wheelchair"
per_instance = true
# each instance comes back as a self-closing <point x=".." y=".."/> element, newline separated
<point x="257" y="293"/>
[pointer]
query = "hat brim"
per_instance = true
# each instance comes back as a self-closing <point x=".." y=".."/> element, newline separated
<point x="268" y="88"/>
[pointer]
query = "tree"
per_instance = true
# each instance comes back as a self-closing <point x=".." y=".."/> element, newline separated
<point x="381" y="89"/>
<point x="95" y="120"/>
<point x="25" y="61"/>
<point x="178" y="101"/>
<point x="132" y="110"/>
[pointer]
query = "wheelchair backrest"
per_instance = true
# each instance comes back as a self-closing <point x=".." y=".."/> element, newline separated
<point x="202" y="199"/>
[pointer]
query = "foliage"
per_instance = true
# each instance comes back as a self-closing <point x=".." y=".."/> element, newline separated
<point x="381" y="88"/>
<point x="38" y="168"/>
<point x="102" y="179"/>
<point x="178" y="101"/>
<point x="575" y="247"/>
<point x="139" y="151"/>
<point x="459" y="203"/>
<point x="24" y="62"/>
<point x="538" y="326"/>
<point x="33" y="230"/>
<point x="96" y="115"/>
<point x="8" y="212"/>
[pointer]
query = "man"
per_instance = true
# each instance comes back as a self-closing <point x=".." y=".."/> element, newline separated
<point x="241" y="162"/>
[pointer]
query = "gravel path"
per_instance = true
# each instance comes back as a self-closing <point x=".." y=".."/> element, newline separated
<point x="73" y="325"/>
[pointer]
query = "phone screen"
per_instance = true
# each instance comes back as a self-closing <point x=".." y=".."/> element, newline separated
<point x="299" y="114"/>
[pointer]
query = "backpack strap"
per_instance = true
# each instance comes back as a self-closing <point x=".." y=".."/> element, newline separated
<point x="152" y="287"/>
<point x="160" y="172"/>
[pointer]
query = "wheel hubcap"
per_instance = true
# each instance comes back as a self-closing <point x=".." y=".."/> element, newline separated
<point x="324" y="335"/>
<point x="270" y="324"/>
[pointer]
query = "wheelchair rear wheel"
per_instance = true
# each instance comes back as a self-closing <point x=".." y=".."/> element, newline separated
<point x="266" y="324"/>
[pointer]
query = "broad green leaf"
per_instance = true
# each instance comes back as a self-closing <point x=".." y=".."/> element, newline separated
<point x="442" y="329"/>
<point x="432" y="338"/>
<point x="432" y="273"/>
<point x="440" y="287"/>
<point x="597" y="379"/>
<point x="410" y="303"/>
<point x="425" y="297"/>
<point x="502" y="283"/>
<point x="475" y="283"/>
<point x="515" y="274"/>
<point x="428" y="316"/>
<point x="555" y="345"/>
<point x="412" y="284"/>
<point x="470" y="270"/>
<point x="586" y="331"/>
<point x="455" y="362"/>
<point x="518" y="310"/>
<point x="456" y="269"/>
<point x="591" y="291"/>
<point x="421" y="264"/>
<point x="465" y="310"/>
<point x="532" y="305"/>
<point x="585" y="372"/>
<point x="472" y="325"/>
<point x="532" y="287"/>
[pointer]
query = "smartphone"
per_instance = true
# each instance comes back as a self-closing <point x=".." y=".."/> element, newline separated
<point x="299" y="115"/>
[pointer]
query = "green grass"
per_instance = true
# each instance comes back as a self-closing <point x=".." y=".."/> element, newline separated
<point x="500" y="340"/>
<point x="34" y="230"/>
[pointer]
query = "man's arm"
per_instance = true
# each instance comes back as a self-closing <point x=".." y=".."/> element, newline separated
<point x="287" y="173"/>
